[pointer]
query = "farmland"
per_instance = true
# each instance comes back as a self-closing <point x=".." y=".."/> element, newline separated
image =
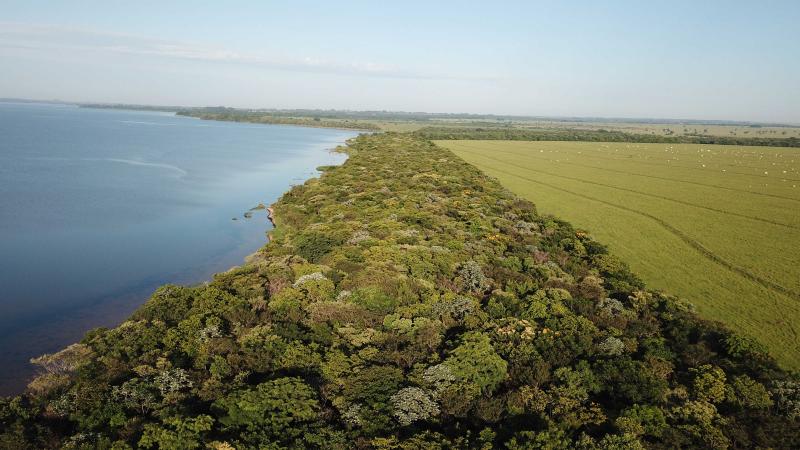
<point x="718" y="225"/>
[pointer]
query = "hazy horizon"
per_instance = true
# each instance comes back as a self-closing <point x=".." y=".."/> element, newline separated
<point x="716" y="61"/>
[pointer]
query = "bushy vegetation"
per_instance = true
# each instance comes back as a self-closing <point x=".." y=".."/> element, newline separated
<point x="523" y="134"/>
<point x="408" y="302"/>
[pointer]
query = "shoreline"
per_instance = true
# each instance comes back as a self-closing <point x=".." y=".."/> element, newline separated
<point x="29" y="372"/>
<point x="304" y="125"/>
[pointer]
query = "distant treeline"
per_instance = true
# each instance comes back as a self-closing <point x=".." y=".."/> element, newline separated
<point x="519" y="134"/>
<point x="259" y="117"/>
<point x="159" y="108"/>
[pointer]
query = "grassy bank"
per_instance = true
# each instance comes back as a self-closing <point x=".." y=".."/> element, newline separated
<point x="409" y="301"/>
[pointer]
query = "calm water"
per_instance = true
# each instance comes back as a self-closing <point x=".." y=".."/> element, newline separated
<point x="99" y="207"/>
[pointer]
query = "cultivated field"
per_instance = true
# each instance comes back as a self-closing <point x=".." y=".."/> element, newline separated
<point x="719" y="225"/>
<point x="670" y="129"/>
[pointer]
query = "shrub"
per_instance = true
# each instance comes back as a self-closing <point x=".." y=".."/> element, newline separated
<point x="412" y="404"/>
<point x="472" y="277"/>
<point x="313" y="246"/>
<point x="611" y="346"/>
<point x="475" y="361"/>
<point x="746" y="392"/>
<point x="275" y="411"/>
<point x="787" y="398"/>
<point x="709" y="383"/>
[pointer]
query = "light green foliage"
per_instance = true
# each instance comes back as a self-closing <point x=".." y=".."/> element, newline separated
<point x="315" y="286"/>
<point x="699" y="420"/>
<point x="709" y="383"/>
<point x="176" y="432"/>
<point x="642" y="420"/>
<point x="571" y="394"/>
<point x="545" y="303"/>
<point x="747" y="393"/>
<point x="475" y="361"/>
<point x="618" y="442"/>
<point x="373" y="299"/>
<point x="744" y="347"/>
<point x="288" y="304"/>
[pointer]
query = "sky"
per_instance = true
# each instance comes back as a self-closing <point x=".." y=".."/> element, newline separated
<point x="727" y="60"/>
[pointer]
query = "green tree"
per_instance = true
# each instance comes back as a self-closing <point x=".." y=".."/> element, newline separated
<point x="412" y="404"/>
<point x="642" y="420"/>
<point x="709" y="383"/>
<point x="176" y="432"/>
<point x="278" y="410"/>
<point x="475" y="361"/>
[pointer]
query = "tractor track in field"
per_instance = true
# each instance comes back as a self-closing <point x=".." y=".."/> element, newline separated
<point x="634" y="191"/>
<point x="673" y="180"/>
<point x="770" y="285"/>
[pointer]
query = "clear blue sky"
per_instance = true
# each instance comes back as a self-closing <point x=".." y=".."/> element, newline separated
<point x="671" y="59"/>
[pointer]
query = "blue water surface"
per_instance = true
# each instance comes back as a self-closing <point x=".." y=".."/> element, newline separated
<point x="98" y="207"/>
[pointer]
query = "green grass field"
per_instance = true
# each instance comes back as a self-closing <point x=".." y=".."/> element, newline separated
<point x="718" y="225"/>
<point x="670" y="129"/>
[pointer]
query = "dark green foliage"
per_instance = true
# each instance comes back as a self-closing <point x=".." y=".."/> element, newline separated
<point x="521" y="134"/>
<point x="409" y="302"/>
<point x="280" y="410"/>
<point x="313" y="246"/>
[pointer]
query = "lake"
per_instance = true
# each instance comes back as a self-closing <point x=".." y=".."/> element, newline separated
<point x="99" y="207"/>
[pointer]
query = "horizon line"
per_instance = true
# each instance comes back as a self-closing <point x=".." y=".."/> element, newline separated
<point x="632" y="119"/>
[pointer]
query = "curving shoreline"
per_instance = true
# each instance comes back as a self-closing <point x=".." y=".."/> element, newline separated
<point x="190" y="264"/>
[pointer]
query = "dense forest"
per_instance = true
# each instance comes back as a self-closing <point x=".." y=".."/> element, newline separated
<point x="522" y="134"/>
<point x="407" y="301"/>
